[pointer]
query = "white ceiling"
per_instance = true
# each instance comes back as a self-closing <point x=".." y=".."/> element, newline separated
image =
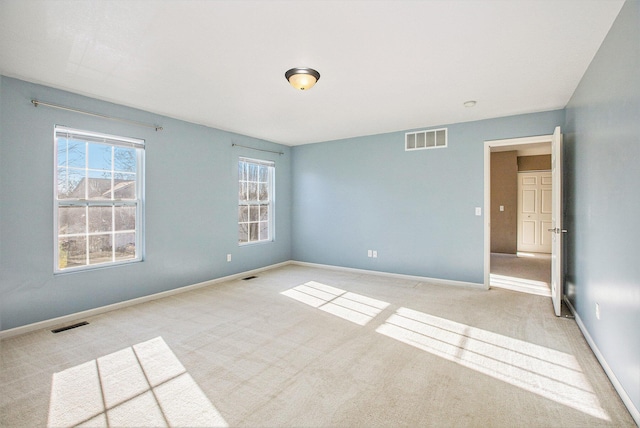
<point x="385" y="65"/>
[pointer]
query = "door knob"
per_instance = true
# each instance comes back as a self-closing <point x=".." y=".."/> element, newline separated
<point x="557" y="230"/>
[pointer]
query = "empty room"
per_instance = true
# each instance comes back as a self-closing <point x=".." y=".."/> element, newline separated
<point x="319" y="213"/>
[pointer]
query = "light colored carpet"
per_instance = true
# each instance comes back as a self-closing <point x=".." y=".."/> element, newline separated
<point x="301" y="346"/>
<point x="526" y="272"/>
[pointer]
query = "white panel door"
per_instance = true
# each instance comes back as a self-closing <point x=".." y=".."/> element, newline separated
<point x="556" y="226"/>
<point x="534" y="211"/>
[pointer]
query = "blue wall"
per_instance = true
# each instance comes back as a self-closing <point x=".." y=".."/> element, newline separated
<point x="602" y="207"/>
<point x="417" y="209"/>
<point x="190" y="212"/>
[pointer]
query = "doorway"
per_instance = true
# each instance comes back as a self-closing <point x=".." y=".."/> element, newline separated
<point x="516" y="214"/>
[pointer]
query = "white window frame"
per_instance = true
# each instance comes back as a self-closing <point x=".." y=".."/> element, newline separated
<point x="271" y="202"/>
<point x="138" y="201"/>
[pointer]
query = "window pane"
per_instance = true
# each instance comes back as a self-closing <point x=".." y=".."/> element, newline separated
<point x="264" y="174"/>
<point x="253" y="231"/>
<point x="62" y="152"/>
<point x="72" y="252"/>
<point x="264" y="212"/>
<point x="243" y="214"/>
<point x="253" y="191"/>
<point x="125" y="159"/>
<point x="124" y="186"/>
<point x="125" y="218"/>
<point x="99" y="185"/>
<point x="70" y="184"/>
<point x="125" y="246"/>
<point x="100" y="157"/>
<point x="440" y="138"/>
<point x="264" y="230"/>
<point x="243" y="192"/>
<point x="100" y="249"/>
<point x="264" y="192"/>
<point x="253" y="212"/>
<point x="253" y="172"/>
<point x="420" y="140"/>
<point x="242" y="171"/>
<point x="71" y="220"/>
<point x="243" y="235"/>
<point x="71" y="153"/>
<point x="100" y="219"/>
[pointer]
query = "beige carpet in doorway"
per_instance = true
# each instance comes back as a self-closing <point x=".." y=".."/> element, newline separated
<point x="526" y="272"/>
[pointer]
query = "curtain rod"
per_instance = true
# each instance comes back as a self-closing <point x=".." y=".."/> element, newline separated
<point x="253" y="148"/>
<point x="37" y="103"/>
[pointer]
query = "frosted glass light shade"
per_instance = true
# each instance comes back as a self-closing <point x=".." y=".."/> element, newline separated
<point x="302" y="78"/>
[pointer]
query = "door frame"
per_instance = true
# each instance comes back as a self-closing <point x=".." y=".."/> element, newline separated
<point x="488" y="145"/>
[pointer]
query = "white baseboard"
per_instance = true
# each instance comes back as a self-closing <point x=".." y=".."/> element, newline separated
<point x="394" y="275"/>
<point x="635" y="414"/>
<point x="102" y="309"/>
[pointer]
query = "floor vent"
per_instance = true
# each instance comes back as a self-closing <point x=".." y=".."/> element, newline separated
<point x="69" y="327"/>
<point x="249" y="277"/>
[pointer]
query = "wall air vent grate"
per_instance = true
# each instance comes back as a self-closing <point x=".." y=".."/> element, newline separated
<point x="69" y="327"/>
<point x="431" y="139"/>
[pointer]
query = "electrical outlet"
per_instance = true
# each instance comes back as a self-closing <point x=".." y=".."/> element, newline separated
<point x="501" y="207"/>
<point x="375" y="254"/>
<point x="369" y="253"/>
<point x="478" y="211"/>
<point x="598" y="310"/>
<point x="228" y="257"/>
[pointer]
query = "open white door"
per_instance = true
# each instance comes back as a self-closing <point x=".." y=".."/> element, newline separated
<point x="556" y="221"/>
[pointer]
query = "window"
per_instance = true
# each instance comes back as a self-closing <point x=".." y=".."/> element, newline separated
<point x="98" y="199"/>
<point x="433" y="139"/>
<point x="255" y="200"/>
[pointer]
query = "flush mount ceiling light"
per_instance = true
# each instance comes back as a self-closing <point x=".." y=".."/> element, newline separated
<point x="470" y="103"/>
<point x="302" y="78"/>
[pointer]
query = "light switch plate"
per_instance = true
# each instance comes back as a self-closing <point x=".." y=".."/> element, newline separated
<point x="478" y="211"/>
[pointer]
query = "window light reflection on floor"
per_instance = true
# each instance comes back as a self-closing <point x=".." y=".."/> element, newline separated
<point x="537" y="369"/>
<point x="143" y="385"/>
<point x="533" y="255"/>
<point x="349" y="306"/>
<point x="524" y="281"/>
<point x="531" y="286"/>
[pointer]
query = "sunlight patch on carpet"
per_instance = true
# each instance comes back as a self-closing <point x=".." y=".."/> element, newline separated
<point x="530" y="286"/>
<point x="549" y="373"/>
<point x="344" y="304"/>
<point x="142" y="385"/>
